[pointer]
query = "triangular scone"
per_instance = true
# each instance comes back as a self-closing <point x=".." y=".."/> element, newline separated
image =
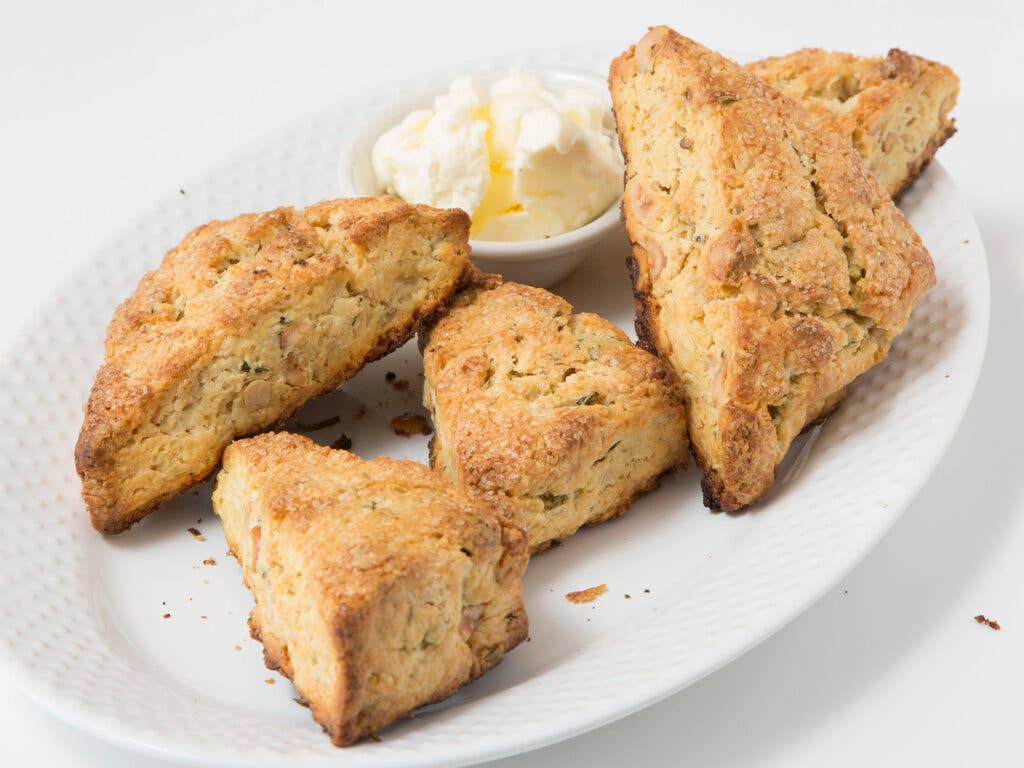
<point x="379" y="586"/>
<point x="769" y="268"/>
<point x="895" y="110"/>
<point x="243" y="322"/>
<point x="555" y="418"/>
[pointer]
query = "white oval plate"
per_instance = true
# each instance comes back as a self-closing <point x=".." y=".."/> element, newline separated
<point x="81" y="616"/>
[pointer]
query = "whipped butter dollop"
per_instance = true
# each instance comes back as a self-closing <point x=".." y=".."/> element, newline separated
<point x="524" y="162"/>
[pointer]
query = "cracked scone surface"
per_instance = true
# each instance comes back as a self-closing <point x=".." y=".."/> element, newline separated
<point x="769" y="267"/>
<point x="379" y="586"/>
<point x="893" y="109"/>
<point x="243" y="322"/>
<point x="556" y="418"/>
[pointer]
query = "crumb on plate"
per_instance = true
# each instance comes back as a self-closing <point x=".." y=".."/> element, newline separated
<point x="587" y="595"/>
<point x="990" y="623"/>
<point x="409" y="424"/>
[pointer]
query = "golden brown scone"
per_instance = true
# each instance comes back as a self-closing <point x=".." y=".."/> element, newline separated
<point x="243" y="322"/>
<point x="555" y="418"/>
<point x="894" y="110"/>
<point x="768" y="266"/>
<point x="379" y="586"/>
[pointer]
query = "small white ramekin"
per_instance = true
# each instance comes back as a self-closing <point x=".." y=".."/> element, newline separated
<point x="534" y="262"/>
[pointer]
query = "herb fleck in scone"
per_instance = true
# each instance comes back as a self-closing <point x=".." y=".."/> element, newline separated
<point x="894" y="110"/>
<point x="243" y="322"/>
<point x="555" y="418"/>
<point x="769" y="267"/>
<point x="379" y="586"/>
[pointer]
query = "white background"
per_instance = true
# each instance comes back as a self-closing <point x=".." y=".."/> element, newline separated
<point x="105" y="106"/>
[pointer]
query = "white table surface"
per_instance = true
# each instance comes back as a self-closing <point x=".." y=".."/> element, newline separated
<point x="107" y="105"/>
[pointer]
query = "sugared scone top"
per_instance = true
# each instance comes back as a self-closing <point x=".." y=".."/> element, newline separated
<point x="555" y="416"/>
<point x="895" y="109"/>
<point x="244" y="321"/>
<point x="379" y="587"/>
<point x="769" y="267"/>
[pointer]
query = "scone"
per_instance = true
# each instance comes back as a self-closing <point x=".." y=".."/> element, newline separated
<point x="243" y="322"/>
<point x="894" y="110"/>
<point x="379" y="587"/>
<point x="553" y="417"/>
<point x="769" y="268"/>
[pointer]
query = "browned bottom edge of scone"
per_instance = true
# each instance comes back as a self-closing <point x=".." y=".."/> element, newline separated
<point x="280" y="663"/>
<point x="711" y="484"/>
<point x="616" y="511"/>
<point x="916" y="168"/>
<point x="423" y="317"/>
<point x="642" y="308"/>
<point x="643" y="490"/>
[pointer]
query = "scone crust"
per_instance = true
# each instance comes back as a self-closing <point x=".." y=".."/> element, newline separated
<point x="363" y="532"/>
<point x="895" y="109"/>
<point x="769" y="268"/>
<point x="530" y="402"/>
<point x="207" y="296"/>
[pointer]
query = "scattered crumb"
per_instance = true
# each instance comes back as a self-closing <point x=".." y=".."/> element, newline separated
<point x="647" y="591"/>
<point x="628" y="596"/>
<point x="195" y="567"/>
<point x="401" y="385"/>
<point x="361" y="412"/>
<point x="203" y="618"/>
<point x="163" y="602"/>
<point x="966" y="242"/>
<point x="196" y="534"/>
<point x="991" y="623"/>
<point x="269" y="681"/>
<point x="344" y="442"/>
<point x="300" y="701"/>
<point x="238" y="647"/>
<point x="167" y="615"/>
<point x="409" y="424"/>
<point x="587" y="595"/>
<point x="390" y="376"/>
<point x="199" y="521"/>
<point x="182" y="192"/>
